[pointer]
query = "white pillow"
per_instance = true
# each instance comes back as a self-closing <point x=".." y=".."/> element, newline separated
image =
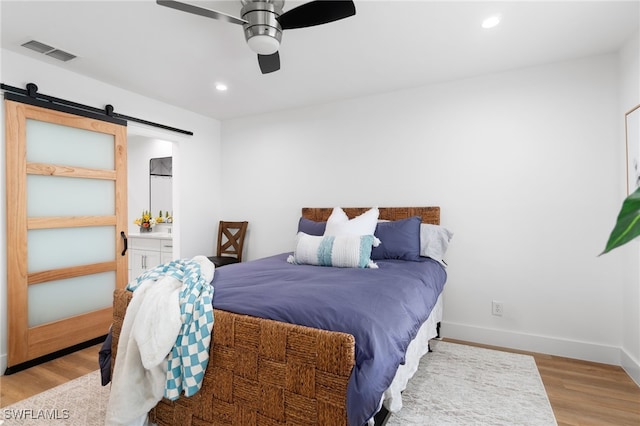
<point x="434" y="241"/>
<point x="339" y="224"/>
<point x="344" y="251"/>
<point x="338" y="215"/>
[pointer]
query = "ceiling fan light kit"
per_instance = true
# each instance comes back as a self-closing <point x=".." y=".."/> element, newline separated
<point x="263" y="22"/>
<point x="262" y="30"/>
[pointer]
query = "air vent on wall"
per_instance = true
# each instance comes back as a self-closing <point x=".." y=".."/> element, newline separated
<point x="58" y="54"/>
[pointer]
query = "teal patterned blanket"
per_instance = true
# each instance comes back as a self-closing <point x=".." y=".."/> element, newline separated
<point x="189" y="356"/>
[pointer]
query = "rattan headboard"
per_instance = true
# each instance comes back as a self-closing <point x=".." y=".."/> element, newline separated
<point x="428" y="214"/>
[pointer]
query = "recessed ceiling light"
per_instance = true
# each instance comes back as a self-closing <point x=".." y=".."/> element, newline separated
<point x="221" y="87"/>
<point x="491" y="22"/>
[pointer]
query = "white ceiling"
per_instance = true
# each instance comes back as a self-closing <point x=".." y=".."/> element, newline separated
<point x="177" y="57"/>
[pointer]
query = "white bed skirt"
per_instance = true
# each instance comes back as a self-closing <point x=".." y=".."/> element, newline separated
<point x="392" y="397"/>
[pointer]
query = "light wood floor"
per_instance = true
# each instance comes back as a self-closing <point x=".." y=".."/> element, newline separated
<point x="26" y="383"/>
<point x="581" y="393"/>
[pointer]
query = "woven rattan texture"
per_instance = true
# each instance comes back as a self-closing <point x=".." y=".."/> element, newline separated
<point x="262" y="372"/>
<point x="428" y="214"/>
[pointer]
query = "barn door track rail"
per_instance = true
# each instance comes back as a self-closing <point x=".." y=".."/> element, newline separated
<point x="31" y="96"/>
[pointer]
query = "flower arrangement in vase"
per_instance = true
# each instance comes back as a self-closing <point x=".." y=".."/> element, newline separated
<point x="160" y="219"/>
<point x="145" y="222"/>
<point x="167" y="218"/>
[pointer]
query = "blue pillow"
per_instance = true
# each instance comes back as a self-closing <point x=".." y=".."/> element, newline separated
<point x="399" y="239"/>
<point x="311" y="227"/>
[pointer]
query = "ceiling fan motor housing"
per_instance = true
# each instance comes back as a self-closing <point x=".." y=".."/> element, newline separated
<point x="262" y="30"/>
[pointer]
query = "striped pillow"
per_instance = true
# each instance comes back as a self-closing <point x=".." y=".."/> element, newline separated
<point x="343" y="251"/>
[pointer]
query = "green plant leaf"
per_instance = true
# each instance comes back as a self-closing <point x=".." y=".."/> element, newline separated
<point x="628" y="224"/>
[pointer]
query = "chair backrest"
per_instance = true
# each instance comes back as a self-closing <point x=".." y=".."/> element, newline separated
<point x="231" y="238"/>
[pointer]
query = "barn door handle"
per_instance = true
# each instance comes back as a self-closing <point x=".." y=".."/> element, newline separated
<point x="126" y="242"/>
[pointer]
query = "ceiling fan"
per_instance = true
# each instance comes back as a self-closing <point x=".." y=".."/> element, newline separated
<point x="263" y="22"/>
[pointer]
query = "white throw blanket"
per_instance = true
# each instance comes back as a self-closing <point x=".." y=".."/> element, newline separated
<point x="149" y="332"/>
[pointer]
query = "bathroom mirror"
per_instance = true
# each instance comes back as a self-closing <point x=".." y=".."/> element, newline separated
<point x="160" y="186"/>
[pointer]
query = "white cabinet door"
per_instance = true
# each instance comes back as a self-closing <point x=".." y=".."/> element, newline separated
<point x="166" y="257"/>
<point x="166" y="251"/>
<point x="143" y="260"/>
<point x="147" y="253"/>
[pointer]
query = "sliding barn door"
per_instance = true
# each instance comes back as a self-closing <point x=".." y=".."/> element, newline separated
<point x="66" y="209"/>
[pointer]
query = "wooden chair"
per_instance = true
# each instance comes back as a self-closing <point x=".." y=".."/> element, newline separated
<point x="230" y="243"/>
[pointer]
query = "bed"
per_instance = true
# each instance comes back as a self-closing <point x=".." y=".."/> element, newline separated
<point x="267" y="368"/>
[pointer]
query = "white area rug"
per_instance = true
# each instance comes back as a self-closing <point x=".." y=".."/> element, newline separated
<point x="80" y="402"/>
<point x="455" y="385"/>
<point x="464" y="385"/>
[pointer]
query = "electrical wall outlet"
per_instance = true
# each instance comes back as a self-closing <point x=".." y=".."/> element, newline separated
<point x="497" y="308"/>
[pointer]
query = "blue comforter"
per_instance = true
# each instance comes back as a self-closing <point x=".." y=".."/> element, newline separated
<point x="382" y="308"/>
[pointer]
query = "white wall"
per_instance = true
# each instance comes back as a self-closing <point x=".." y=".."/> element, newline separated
<point x="629" y="98"/>
<point x="527" y="166"/>
<point x="197" y="202"/>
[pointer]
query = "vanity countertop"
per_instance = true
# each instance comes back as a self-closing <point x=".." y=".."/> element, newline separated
<point x="153" y="235"/>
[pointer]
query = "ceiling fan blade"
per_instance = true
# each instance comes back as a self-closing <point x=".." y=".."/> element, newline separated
<point x="197" y="10"/>
<point x="316" y="13"/>
<point x="269" y="63"/>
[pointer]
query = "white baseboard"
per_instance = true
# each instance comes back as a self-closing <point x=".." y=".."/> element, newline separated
<point x="541" y="344"/>
<point x="3" y="364"/>
<point x="631" y="366"/>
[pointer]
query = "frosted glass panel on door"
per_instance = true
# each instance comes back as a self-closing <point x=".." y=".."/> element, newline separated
<point x="60" y="299"/>
<point x="56" y="144"/>
<point x="66" y="247"/>
<point x="59" y="196"/>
